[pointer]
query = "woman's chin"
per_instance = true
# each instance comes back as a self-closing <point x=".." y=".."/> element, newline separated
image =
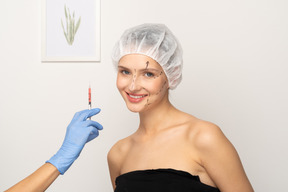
<point x="135" y="109"/>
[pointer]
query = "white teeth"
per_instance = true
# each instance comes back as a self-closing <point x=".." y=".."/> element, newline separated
<point x="136" y="97"/>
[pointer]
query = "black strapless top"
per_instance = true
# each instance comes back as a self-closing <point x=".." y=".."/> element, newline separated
<point x="161" y="180"/>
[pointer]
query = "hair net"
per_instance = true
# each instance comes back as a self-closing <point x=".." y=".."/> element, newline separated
<point x="155" y="41"/>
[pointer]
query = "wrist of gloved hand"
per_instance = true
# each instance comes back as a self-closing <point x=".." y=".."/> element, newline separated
<point x="65" y="157"/>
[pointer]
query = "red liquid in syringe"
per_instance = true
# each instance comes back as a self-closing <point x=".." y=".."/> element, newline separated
<point x="89" y="96"/>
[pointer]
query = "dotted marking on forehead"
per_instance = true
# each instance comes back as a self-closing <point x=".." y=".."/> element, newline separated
<point x="147" y="63"/>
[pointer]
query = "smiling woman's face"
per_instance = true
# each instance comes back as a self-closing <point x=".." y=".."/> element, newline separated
<point x="142" y="82"/>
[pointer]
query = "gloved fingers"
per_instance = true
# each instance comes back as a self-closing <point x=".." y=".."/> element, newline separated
<point x="85" y="114"/>
<point x="93" y="134"/>
<point x="92" y="112"/>
<point x="94" y="124"/>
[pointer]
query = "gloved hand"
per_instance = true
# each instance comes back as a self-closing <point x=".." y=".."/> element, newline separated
<point x="78" y="133"/>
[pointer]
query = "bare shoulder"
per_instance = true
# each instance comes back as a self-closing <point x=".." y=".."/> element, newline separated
<point x="116" y="156"/>
<point x="201" y="133"/>
<point x="200" y="128"/>
<point x="119" y="150"/>
<point x="207" y="134"/>
<point x="219" y="157"/>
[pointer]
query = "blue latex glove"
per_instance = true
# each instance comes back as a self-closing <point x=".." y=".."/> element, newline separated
<point x="78" y="133"/>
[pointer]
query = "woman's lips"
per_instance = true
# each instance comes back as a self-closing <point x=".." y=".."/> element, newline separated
<point x="135" y="98"/>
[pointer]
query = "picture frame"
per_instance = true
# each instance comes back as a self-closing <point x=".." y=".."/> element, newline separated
<point x="70" y="31"/>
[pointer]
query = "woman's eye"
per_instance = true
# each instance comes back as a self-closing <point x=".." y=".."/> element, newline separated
<point x="125" y="72"/>
<point x="148" y="74"/>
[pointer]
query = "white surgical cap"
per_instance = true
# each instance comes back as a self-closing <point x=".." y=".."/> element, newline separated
<point x="155" y="41"/>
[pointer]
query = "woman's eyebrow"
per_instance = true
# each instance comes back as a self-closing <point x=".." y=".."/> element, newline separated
<point x="122" y="67"/>
<point x="141" y="70"/>
<point x="150" y="69"/>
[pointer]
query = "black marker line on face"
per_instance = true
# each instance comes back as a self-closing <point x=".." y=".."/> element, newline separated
<point x="147" y="104"/>
<point x="161" y="88"/>
<point x="133" y="79"/>
<point x="147" y="101"/>
<point x="147" y="63"/>
<point x="158" y="75"/>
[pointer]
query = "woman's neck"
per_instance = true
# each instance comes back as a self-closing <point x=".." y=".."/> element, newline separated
<point x="157" y="118"/>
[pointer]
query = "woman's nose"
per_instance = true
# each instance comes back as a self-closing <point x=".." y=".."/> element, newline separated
<point x="134" y="84"/>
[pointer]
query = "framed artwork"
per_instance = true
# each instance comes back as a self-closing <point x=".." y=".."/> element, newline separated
<point x="70" y="30"/>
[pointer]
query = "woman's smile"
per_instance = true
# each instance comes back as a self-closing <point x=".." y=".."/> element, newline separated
<point x="136" y="98"/>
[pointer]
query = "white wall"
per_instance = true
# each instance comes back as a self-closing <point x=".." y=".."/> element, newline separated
<point x="235" y="75"/>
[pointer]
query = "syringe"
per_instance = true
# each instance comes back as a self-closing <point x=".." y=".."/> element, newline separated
<point x="89" y="99"/>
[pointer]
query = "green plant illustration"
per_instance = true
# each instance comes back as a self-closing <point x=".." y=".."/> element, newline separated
<point x="71" y="28"/>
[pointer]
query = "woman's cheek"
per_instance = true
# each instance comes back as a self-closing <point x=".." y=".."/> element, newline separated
<point x="120" y="83"/>
<point x="162" y="88"/>
<point x="155" y="92"/>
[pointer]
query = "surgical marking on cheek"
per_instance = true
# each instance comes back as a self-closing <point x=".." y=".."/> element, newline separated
<point x="161" y="89"/>
<point x="147" y="101"/>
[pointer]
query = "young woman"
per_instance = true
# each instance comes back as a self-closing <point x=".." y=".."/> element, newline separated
<point x="171" y="150"/>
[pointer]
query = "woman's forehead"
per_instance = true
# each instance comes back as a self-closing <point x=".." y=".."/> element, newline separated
<point x="138" y="61"/>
